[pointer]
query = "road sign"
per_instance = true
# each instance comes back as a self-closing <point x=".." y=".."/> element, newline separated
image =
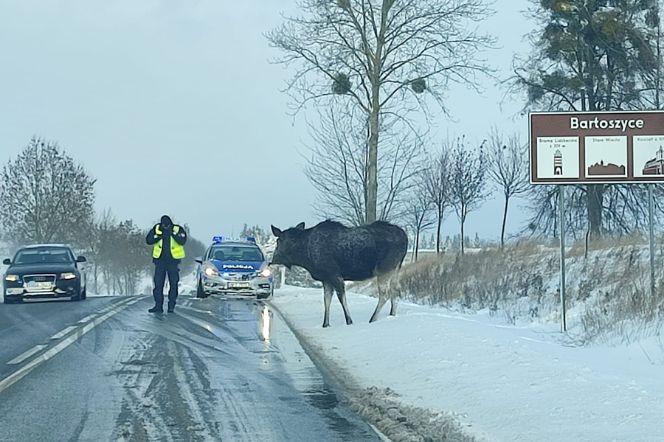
<point x="597" y="147"/>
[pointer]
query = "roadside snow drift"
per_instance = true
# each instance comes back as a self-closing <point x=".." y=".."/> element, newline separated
<point x="501" y="382"/>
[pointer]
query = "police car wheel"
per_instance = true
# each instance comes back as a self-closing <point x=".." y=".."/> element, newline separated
<point x="268" y="296"/>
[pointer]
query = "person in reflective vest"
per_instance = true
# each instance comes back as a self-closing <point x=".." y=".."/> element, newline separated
<point x="167" y="241"/>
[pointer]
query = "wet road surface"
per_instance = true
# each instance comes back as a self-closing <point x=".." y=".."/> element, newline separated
<point x="217" y="369"/>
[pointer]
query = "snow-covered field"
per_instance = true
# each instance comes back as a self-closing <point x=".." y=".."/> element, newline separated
<point x="502" y="382"/>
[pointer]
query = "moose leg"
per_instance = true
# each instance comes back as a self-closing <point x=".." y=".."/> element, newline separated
<point x="393" y="306"/>
<point x="340" y="288"/>
<point x="327" y="291"/>
<point x="381" y="297"/>
<point x="394" y="296"/>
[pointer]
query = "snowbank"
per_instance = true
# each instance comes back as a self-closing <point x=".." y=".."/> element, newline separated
<point x="502" y="382"/>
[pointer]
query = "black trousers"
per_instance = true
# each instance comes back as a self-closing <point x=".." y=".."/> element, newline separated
<point x="161" y="271"/>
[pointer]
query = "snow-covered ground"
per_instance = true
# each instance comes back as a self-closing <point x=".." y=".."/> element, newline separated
<point x="502" y="382"/>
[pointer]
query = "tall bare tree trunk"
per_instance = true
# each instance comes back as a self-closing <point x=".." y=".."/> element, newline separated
<point x="96" y="277"/>
<point x="595" y="196"/>
<point x="502" y="230"/>
<point x="372" y="160"/>
<point x="463" y="240"/>
<point x="438" y="227"/>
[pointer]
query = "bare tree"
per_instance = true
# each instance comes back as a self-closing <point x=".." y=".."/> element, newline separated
<point x="384" y="55"/>
<point x="467" y="181"/>
<point x="437" y="187"/>
<point x="418" y="212"/>
<point x="336" y="165"/>
<point x="45" y="196"/>
<point x="508" y="170"/>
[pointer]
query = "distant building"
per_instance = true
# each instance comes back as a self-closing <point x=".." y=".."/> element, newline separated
<point x="656" y="165"/>
<point x="606" y="169"/>
<point x="558" y="163"/>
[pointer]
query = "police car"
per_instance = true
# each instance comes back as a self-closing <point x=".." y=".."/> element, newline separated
<point x="235" y="267"/>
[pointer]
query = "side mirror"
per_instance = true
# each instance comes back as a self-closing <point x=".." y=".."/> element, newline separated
<point x="7" y="261"/>
<point x="81" y="259"/>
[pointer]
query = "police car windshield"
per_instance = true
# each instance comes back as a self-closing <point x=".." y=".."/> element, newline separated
<point x="44" y="255"/>
<point x="236" y="253"/>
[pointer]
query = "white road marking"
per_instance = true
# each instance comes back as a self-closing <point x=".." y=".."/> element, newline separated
<point x="86" y="319"/>
<point x="22" y="357"/>
<point x="62" y="333"/>
<point x="80" y="332"/>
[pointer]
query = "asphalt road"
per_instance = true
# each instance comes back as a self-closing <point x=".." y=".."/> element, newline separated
<point x="105" y="369"/>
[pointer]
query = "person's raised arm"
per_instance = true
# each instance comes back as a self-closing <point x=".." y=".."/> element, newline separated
<point x="181" y="236"/>
<point x="153" y="237"/>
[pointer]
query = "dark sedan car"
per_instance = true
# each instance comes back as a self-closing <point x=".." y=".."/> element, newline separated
<point x="44" y="271"/>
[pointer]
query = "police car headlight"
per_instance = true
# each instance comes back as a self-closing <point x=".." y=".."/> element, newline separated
<point x="210" y="271"/>
<point x="266" y="273"/>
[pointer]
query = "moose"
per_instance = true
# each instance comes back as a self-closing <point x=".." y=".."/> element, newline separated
<point x="333" y="253"/>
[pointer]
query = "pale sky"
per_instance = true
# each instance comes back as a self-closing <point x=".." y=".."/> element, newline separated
<point x="174" y="107"/>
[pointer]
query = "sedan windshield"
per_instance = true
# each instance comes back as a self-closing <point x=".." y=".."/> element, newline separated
<point x="235" y="253"/>
<point x="44" y="255"/>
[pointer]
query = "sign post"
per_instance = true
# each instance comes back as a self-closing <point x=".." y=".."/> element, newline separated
<point x="597" y="148"/>
<point x="561" y="211"/>
<point x="651" y="240"/>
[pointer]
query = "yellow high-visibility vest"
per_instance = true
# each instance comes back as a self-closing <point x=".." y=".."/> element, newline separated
<point x="177" y="250"/>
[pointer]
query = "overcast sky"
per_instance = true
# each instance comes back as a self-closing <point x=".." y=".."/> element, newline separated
<point x="174" y="107"/>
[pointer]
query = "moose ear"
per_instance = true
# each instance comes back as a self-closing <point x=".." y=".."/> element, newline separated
<point x="300" y="226"/>
<point x="276" y="231"/>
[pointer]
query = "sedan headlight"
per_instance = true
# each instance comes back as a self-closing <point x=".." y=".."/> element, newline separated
<point x="11" y="278"/>
<point x="266" y="273"/>
<point x="68" y="275"/>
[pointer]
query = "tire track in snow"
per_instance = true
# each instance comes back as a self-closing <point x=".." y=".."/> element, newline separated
<point x="187" y="392"/>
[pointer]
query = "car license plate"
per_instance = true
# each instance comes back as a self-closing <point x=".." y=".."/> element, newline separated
<point x="39" y="285"/>
<point x="239" y="285"/>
